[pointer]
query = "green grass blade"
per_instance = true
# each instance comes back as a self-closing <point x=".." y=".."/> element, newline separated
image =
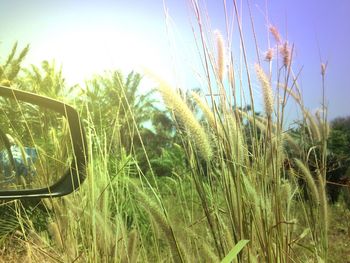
<point x="234" y="251"/>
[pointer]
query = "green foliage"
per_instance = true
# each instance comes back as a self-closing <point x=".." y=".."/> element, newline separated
<point x="46" y="80"/>
<point x="11" y="67"/>
<point x="170" y="160"/>
<point x="339" y="161"/>
<point x="116" y="108"/>
<point x="339" y="140"/>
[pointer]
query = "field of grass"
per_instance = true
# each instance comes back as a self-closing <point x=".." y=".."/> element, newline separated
<point x="213" y="180"/>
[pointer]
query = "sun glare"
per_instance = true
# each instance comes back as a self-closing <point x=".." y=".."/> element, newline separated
<point x="86" y="52"/>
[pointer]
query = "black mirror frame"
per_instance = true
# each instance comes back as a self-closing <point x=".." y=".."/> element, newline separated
<point x="76" y="174"/>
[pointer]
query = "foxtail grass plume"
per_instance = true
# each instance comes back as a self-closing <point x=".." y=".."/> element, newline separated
<point x="29" y="253"/>
<point x="286" y="192"/>
<point x="322" y="124"/>
<point x="237" y="141"/>
<point x="313" y="126"/>
<point x="55" y="234"/>
<point x="131" y="255"/>
<point x="207" y="112"/>
<point x="323" y="199"/>
<point x="174" y="101"/>
<point x="266" y="89"/>
<point x="220" y="55"/>
<point x="286" y="54"/>
<point x="323" y="69"/>
<point x="309" y="180"/>
<point x="269" y="55"/>
<point x="274" y="31"/>
<point x="162" y="222"/>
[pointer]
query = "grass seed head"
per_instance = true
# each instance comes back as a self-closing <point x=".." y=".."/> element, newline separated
<point x="285" y="192"/>
<point x="309" y="180"/>
<point x="132" y="252"/>
<point x="55" y="234"/>
<point x="286" y="54"/>
<point x="220" y="55"/>
<point x="174" y="101"/>
<point x="269" y="54"/>
<point x="274" y="31"/>
<point x="323" y="69"/>
<point x="266" y="89"/>
<point x="162" y="222"/>
<point x="206" y="111"/>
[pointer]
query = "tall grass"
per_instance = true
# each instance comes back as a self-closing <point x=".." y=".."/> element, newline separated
<point x="242" y="182"/>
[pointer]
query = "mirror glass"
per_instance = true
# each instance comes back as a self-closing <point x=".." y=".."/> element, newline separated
<point x="35" y="145"/>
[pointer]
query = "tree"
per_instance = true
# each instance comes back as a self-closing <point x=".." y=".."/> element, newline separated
<point x="162" y="144"/>
<point x="115" y="108"/>
<point x="47" y="80"/>
<point x="339" y="146"/>
<point x="339" y="140"/>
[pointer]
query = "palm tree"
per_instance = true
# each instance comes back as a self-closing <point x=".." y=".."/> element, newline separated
<point x="47" y="80"/>
<point x="116" y="107"/>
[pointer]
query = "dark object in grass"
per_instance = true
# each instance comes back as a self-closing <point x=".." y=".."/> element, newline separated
<point x="22" y="161"/>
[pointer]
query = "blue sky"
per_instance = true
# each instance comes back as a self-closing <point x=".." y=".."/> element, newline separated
<point x="89" y="37"/>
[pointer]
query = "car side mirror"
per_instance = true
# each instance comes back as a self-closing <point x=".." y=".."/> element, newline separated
<point x="42" y="146"/>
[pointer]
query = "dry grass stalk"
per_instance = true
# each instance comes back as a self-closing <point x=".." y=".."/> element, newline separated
<point x="295" y="96"/>
<point x="36" y="239"/>
<point x="260" y="123"/>
<point x="314" y="127"/>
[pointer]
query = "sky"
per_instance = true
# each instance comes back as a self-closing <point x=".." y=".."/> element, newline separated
<point x="89" y="37"/>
